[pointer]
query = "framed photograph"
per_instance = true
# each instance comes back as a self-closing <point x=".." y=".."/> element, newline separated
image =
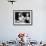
<point x="22" y="17"/>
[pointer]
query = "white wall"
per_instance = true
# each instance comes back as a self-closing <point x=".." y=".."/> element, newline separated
<point x="38" y="30"/>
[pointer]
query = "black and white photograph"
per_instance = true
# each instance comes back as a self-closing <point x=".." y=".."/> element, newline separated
<point x="22" y="17"/>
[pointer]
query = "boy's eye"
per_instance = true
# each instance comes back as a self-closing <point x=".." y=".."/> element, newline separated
<point x="20" y="16"/>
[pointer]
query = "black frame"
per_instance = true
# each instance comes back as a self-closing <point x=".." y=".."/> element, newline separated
<point x="23" y="10"/>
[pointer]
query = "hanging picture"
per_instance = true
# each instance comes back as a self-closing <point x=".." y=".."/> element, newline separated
<point x="22" y="17"/>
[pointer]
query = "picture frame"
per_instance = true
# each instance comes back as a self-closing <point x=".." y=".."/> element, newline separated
<point x="22" y="17"/>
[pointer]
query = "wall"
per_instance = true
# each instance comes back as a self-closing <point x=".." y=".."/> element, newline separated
<point x="38" y="30"/>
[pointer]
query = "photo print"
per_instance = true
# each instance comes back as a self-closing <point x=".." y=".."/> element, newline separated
<point x="22" y="17"/>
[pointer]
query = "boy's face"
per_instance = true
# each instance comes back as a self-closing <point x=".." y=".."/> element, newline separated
<point x="21" y="17"/>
